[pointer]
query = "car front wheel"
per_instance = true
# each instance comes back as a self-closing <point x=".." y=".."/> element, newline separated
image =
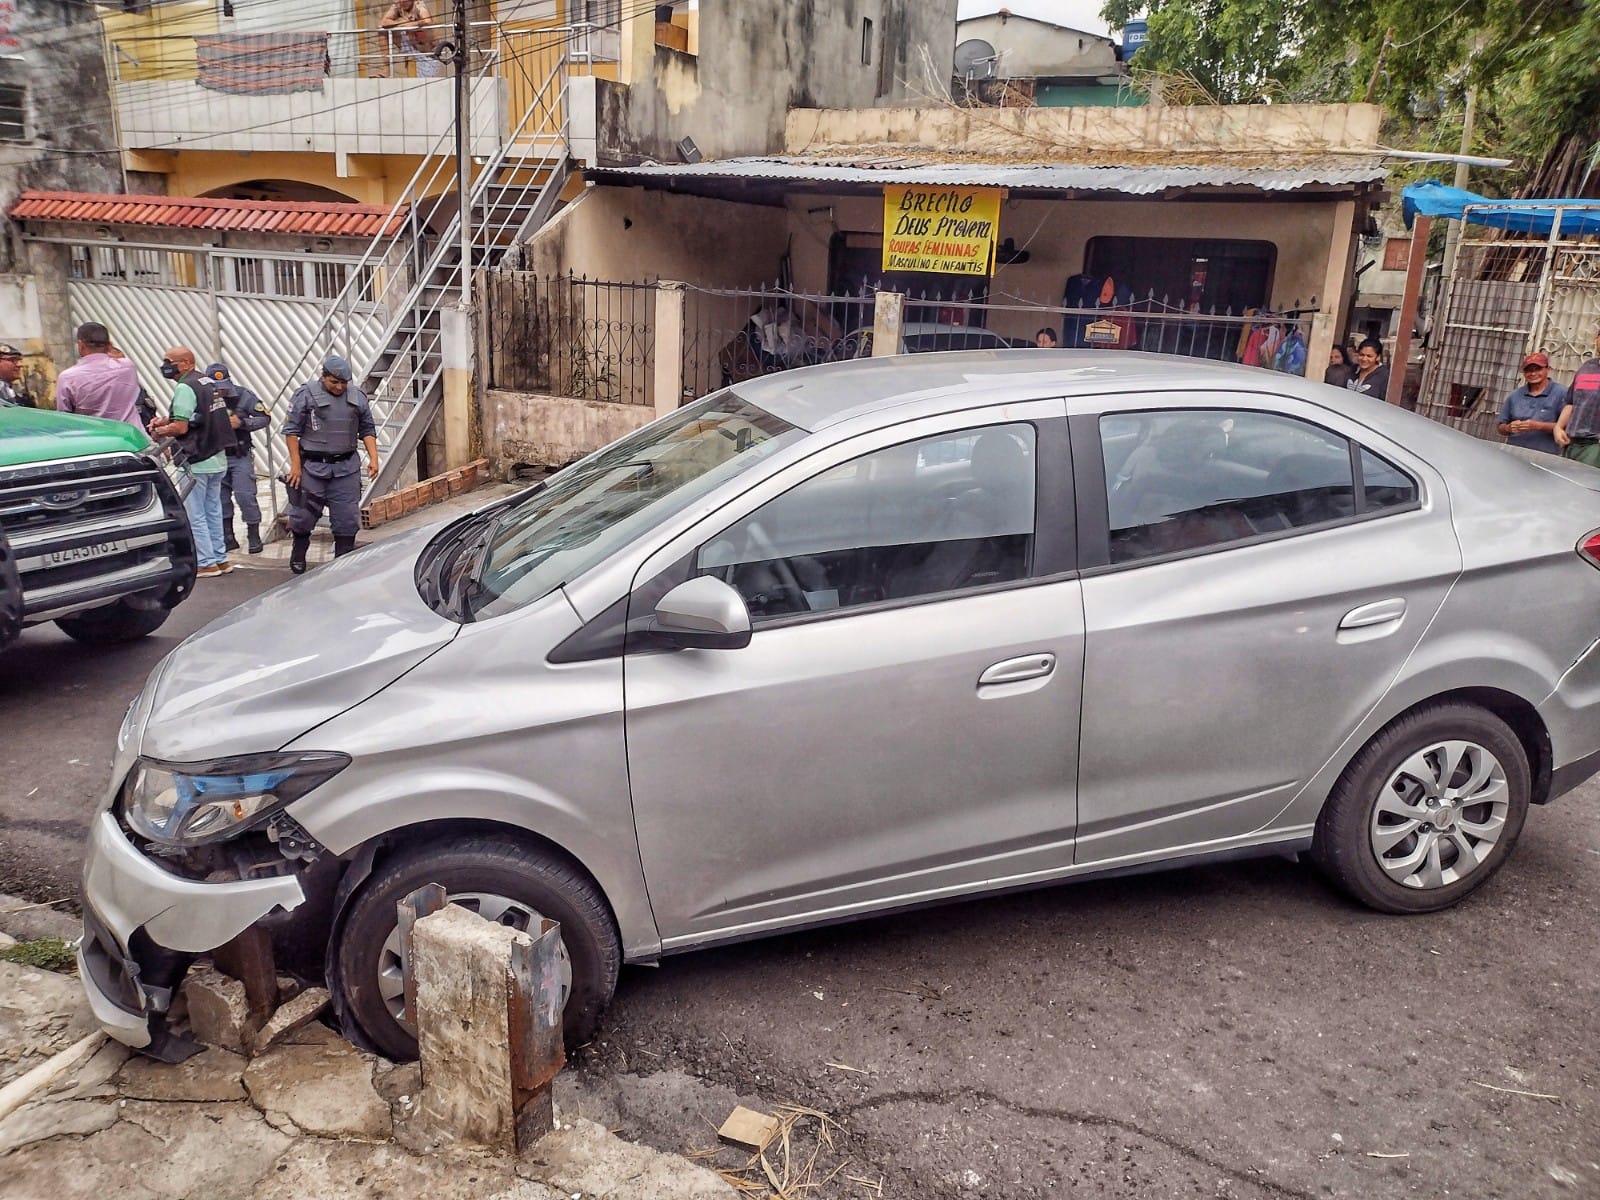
<point x="1427" y="812"/>
<point x="119" y="622"/>
<point x="501" y="880"/>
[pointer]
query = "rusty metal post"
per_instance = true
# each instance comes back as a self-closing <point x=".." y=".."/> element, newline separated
<point x="1408" y="308"/>
<point x="533" y="1003"/>
<point x="248" y="958"/>
<point x="429" y="898"/>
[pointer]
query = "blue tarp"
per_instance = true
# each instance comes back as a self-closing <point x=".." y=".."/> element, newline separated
<point x="1520" y="216"/>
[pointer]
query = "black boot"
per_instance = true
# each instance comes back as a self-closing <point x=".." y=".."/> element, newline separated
<point x="230" y="540"/>
<point x="297" y="553"/>
<point x="253" y="535"/>
<point x="343" y="545"/>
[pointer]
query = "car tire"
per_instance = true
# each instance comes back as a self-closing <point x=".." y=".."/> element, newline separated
<point x="119" y="622"/>
<point x="1428" y="810"/>
<point x="474" y="866"/>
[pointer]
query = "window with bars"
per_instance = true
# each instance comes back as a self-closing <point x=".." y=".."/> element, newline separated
<point x="13" y="113"/>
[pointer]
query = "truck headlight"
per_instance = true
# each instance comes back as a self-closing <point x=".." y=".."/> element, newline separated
<point x="186" y="804"/>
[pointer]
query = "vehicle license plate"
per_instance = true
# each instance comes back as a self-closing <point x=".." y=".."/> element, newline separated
<point x="60" y="558"/>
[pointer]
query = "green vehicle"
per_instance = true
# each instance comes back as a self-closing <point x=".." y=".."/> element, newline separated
<point x="93" y="535"/>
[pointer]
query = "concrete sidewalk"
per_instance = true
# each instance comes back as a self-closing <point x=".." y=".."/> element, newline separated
<point x="311" y="1117"/>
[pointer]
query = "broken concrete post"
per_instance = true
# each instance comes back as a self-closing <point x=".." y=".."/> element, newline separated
<point x="248" y="958"/>
<point x="219" y="1011"/>
<point x="488" y="1018"/>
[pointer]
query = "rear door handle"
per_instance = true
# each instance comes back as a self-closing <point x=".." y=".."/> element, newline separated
<point x="1379" y="613"/>
<point x="1017" y="670"/>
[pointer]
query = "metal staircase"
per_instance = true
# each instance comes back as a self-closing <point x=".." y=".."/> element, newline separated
<point x="387" y="319"/>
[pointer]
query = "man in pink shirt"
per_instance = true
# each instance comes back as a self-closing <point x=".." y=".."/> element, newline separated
<point x="103" y="382"/>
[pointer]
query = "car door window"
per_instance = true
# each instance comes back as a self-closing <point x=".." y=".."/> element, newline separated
<point x="1185" y="480"/>
<point x="924" y="518"/>
<point x="1384" y="485"/>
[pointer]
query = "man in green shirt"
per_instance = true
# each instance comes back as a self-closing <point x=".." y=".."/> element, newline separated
<point x="199" y="423"/>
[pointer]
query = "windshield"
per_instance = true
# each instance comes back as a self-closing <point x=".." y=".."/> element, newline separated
<point x="501" y="559"/>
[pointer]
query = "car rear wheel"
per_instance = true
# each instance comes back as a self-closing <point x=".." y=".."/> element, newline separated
<point x="504" y="882"/>
<point x="119" y="622"/>
<point x="1427" y="812"/>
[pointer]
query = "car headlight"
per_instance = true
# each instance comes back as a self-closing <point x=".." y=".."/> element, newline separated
<point x="191" y="803"/>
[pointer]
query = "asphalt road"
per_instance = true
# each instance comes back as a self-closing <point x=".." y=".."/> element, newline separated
<point x="1237" y="1031"/>
<point x="60" y="705"/>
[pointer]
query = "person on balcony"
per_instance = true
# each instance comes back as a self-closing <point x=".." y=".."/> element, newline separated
<point x="413" y="27"/>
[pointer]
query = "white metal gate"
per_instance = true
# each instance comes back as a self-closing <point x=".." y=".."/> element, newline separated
<point x="256" y="311"/>
<point x="1509" y="298"/>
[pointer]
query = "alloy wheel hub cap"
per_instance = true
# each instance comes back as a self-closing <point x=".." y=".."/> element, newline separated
<point x="1440" y="814"/>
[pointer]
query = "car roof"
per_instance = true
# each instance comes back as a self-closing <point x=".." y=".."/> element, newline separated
<point x="901" y="387"/>
<point x="814" y="398"/>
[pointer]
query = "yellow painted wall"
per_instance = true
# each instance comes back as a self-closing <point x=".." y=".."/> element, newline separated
<point x="380" y="179"/>
<point x="155" y="42"/>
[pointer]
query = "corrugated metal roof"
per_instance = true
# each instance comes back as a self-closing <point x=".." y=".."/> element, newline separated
<point x="1267" y="172"/>
<point x="321" y="218"/>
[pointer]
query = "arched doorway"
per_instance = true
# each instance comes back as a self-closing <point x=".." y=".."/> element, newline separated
<point x="279" y="189"/>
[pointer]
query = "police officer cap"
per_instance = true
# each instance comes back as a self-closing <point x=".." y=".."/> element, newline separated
<point x="218" y="371"/>
<point x="337" y="367"/>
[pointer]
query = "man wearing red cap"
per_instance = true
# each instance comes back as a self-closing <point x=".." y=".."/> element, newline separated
<point x="1529" y="415"/>
<point x="1578" y="430"/>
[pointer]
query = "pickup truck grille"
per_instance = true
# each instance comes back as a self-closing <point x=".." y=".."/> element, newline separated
<point x="89" y="531"/>
<point x="25" y="509"/>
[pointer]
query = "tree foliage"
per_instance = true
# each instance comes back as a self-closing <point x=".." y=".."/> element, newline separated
<point x="1536" y="64"/>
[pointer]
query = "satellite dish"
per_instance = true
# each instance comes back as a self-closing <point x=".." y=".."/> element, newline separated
<point x="975" y="59"/>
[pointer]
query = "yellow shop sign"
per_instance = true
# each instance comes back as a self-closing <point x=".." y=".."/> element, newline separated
<point x="941" y="229"/>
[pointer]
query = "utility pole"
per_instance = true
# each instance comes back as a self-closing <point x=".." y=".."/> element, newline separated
<point x="463" y="161"/>
<point x="1463" y="177"/>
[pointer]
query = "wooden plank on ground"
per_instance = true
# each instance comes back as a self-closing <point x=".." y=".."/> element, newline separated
<point x="748" y="1128"/>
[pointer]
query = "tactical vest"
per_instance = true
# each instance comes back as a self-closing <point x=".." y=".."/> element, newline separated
<point x="332" y="428"/>
<point x="210" y="431"/>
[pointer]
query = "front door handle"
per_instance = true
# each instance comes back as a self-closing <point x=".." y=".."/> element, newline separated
<point x="1017" y="670"/>
<point x="1378" y="613"/>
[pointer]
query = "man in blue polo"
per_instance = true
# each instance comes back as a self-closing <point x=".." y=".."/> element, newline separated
<point x="1529" y="415"/>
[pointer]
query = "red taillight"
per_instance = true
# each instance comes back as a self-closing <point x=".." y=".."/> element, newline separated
<point x="1589" y="549"/>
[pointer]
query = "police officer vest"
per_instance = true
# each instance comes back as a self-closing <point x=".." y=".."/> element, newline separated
<point x="331" y="428"/>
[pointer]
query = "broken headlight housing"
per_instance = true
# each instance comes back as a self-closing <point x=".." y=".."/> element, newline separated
<point x="190" y="804"/>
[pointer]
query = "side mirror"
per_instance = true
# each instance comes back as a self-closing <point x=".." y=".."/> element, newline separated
<point x="703" y="613"/>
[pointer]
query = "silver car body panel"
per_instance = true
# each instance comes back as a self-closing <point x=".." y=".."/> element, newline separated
<point x="1194" y="663"/>
<point x="292" y="657"/>
<point x="1219" y="698"/>
<point x="489" y="730"/>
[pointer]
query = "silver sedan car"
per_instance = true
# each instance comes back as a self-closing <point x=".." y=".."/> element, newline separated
<point x="861" y="637"/>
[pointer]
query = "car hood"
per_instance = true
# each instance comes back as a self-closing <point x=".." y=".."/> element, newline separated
<point x="288" y="660"/>
<point x="31" y="435"/>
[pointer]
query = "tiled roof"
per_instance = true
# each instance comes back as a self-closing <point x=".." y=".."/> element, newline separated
<point x="321" y="218"/>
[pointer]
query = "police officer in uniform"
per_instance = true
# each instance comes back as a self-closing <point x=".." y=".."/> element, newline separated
<point x="246" y="413"/>
<point x="12" y="392"/>
<point x="327" y="419"/>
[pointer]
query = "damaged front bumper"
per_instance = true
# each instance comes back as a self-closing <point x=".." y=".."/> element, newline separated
<point x="143" y="924"/>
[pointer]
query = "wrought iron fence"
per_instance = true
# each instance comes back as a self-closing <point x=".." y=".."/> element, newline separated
<point x="734" y="334"/>
<point x="568" y="335"/>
